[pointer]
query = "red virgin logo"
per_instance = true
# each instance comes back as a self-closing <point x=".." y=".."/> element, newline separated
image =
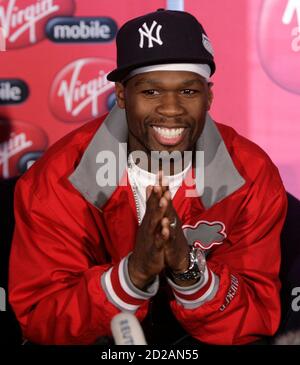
<point x="80" y="91"/>
<point x="279" y="42"/>
<point x="20" y="145"/>
<point x="23" y="22"/>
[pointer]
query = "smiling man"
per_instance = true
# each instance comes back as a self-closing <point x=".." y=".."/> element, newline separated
<point x="199" y="267"/>
<point x="165" y="110"/>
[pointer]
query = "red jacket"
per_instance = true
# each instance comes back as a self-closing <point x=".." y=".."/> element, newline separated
<point x="72" y="237"/>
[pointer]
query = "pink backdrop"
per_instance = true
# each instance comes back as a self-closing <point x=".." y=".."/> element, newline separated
<point x="48" y="88"/>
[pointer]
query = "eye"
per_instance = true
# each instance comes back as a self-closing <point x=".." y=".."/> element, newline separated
<point x="188" y="92"/>
<point x="150" y="92"/>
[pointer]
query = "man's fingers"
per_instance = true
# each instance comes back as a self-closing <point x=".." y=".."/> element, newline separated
<point x="159" y="204"/>
<point x="153" y="194"/>
<point x="154" y="210"/>
<point x="165" y="232"/>
<point x="157" y="189"/>
<point x="163" y="202"/>
<point x="170" y="211"/>
<point x="165" y="228"/>
<point x="159" y="177"/>
<point x="169" y="227"/>
<point x="159" y="240"/>
<point x="162" y="181"/>
<point x="167" y="195"/>
<point x="149" y="189"/>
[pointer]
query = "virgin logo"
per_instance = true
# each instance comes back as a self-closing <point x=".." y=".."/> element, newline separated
<point x="80" y="91"/>
<point x="279" y="42"/>
<point x="15" y="144"/>
<point x="24" y="21"/>
<point x="17" y="140"/>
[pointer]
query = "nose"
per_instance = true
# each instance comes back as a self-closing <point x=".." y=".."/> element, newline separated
<point x="170" y="106"/>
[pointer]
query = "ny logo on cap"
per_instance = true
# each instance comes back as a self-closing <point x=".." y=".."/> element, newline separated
<point x="145" y="32"/>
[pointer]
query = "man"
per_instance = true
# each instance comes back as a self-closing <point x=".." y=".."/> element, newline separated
<point x="205" y="235"/>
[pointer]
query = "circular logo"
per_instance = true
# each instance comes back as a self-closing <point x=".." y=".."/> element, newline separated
<point x="279" y="42"/>
<point x="80" y="90"/>
<point x="21" y="144"/>
<point x="23" y="22"/>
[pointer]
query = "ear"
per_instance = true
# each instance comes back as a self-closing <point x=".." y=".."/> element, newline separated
<point x="210" y="95"/>
<point x="120" y="94"/>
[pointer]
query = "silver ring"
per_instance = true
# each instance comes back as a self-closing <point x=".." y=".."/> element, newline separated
<point x="174" y="223"/>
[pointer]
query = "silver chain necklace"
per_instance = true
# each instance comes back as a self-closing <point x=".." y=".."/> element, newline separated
<point x="134" y="190"/>
<point x="138" y="210"/>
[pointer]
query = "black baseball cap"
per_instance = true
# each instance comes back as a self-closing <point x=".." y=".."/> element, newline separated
<point x="161" y="37"/>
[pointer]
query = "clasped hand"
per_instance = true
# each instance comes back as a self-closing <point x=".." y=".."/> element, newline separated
<point x="159" y="245"/>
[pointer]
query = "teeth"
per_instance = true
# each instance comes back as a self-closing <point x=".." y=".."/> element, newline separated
<point x="169" y="132"/>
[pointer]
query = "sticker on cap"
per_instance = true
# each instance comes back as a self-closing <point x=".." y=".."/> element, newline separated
<point x="207" y="45"/>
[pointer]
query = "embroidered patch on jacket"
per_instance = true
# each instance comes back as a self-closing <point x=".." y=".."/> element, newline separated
<point x="205" y="234"/>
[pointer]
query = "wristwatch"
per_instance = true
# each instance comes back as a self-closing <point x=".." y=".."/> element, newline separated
<point x="197" y="265"/>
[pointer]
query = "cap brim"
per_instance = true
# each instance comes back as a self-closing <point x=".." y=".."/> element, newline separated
<point x="119" y="74"/>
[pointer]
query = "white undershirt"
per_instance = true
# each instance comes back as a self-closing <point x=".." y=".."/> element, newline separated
<point x="139" y="179"/>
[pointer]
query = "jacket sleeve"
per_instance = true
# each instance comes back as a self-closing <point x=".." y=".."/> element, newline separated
<point x="61" y="292"/>
<point x="239" y="300"/>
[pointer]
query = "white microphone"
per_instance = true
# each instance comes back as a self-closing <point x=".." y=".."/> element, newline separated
<point x="127" y="330"/>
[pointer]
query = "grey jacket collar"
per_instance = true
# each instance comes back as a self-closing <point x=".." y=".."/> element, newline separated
<point x="221" y="177"/>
